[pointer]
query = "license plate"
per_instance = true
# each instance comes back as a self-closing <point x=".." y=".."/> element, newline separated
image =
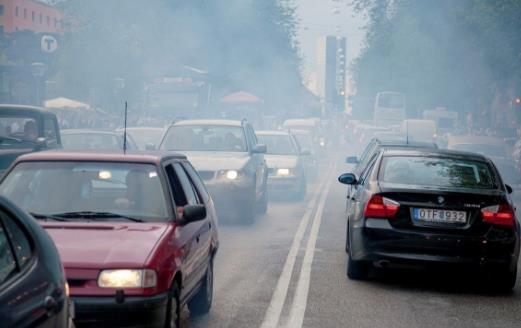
<point x="440" y="216"/>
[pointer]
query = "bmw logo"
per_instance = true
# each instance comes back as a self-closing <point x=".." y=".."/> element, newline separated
<point x="441" y="200"/>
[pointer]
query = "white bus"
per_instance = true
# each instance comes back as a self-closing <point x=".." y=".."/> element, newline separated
<point x="389" y="108"/>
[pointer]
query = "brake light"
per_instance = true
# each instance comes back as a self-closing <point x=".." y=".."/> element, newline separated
<point x="502" y="215"/>
<point x="381" y="207"/>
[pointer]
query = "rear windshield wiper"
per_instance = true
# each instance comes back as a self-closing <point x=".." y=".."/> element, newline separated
<point x="95" y="215"/>
<point x="46" y="217"/>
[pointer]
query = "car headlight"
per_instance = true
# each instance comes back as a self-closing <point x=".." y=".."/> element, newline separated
<point x="127" y="278"/>
<point x="231" y="174"/>
<point x="283" y="172"/>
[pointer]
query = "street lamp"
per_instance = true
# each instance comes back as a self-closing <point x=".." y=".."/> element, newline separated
<point x="38" y="71"/>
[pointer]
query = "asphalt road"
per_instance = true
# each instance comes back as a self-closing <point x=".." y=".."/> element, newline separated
<point x="289" y="270"/>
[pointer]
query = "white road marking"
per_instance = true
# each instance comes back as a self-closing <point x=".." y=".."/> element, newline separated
<point x="272" y="316"/>
<point x="298" y="308"/>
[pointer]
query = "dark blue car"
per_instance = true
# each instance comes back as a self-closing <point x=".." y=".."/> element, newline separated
<point x="33" y="290"/>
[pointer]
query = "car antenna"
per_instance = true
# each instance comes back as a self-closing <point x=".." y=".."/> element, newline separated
<point x="125" y="131"/>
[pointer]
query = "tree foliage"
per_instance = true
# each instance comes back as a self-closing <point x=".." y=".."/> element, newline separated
<point x="248" y="43"/>
<point x="450" y="53"/>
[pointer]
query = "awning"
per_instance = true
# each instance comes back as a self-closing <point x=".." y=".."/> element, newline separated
<point x="65" y="103"/>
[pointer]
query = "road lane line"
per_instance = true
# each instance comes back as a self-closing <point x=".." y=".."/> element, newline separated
<point x="272" y="316"/>
<point x="298" y="308"/>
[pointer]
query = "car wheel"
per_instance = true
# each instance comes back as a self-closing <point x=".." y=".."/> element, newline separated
<point x="173" y="309"/>
<point x="356" y="270"/>
<point x="202" y="301"/>
<point x="504" y="280"/>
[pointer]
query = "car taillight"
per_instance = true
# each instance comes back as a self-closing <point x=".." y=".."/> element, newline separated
<point x="502" y="215"/>
<point x="381" y="207"/>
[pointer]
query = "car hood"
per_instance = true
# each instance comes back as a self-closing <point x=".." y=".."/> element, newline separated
<point x="281" y="161"/>
<point x="88" y="245"/>
<point x="216" y="161"/>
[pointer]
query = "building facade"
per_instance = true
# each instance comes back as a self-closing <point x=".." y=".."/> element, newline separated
<point x="331" y="71"/>
<point x="29" y="15"/>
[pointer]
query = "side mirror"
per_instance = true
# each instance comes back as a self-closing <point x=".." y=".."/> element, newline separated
<point x="150" y="146"/>
<point x="348" y="179"/>
<point x="305" y="152"/>
<point x="352" y="160"/>
<point x="509" y="189"/>
<point x="41" y="143"/>
<point x="193" y="213"/>
<point x="260" y="149"/>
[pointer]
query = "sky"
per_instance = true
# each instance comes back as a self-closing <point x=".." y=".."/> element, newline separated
<point x="318" y="18"/>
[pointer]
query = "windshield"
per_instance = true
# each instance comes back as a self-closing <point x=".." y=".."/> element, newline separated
<point x="436" y="172"/>
<point x="144" y="137"/>
<point x="125" y="189"/>
<point x="278" y="144"/>
<point x="97" y="141"/>
<point x="483" y="149"/>
<point x="17" y="130"/>
<point x="205" y="138"/>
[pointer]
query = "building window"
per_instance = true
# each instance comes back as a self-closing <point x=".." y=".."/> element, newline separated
<point x="41" y="19"/>
<point x="32" y="16"/>
<point x="16" y="11"/>
<point x="25" y="13"/>
<point x="1" y="10"/>
<point x="48" y="21"/>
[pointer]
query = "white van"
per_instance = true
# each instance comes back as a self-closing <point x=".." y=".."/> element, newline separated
<point x="420" y="130"/>
<point x="389" y="108"/>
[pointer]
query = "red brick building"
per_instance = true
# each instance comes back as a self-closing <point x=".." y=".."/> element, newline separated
<point x="20" y="15"/>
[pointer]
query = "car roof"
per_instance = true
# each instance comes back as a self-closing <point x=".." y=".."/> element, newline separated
<point x="141" y="128"/>
<point x="209" y="122"/>
<point x="24" y="109"/>
<point x="470" y="139"/>
<point x="404" y="143"/>
<point x="89" y="131"/>
<point x="456" y="154"/>
<point x="301" y="121"/>
<point x="272" y="133"/>
<point x="152" y="157"/>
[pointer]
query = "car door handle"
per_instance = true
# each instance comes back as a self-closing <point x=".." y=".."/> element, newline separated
<point x="49" y="303"/>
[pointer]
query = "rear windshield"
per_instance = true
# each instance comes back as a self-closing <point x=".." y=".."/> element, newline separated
<point x="278" y="144"/>
<point x="437" y="172"/>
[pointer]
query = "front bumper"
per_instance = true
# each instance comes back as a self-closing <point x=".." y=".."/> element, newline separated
<point x="230" y="196"/>
<point x="131" y="312"/>
<point x="377" y="240"/>
<point x="284" y="184"/>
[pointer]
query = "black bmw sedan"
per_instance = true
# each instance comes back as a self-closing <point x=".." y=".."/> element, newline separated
<point x="431" y="206"/>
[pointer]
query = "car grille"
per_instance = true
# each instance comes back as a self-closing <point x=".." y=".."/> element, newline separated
<point x="207" y="175"/>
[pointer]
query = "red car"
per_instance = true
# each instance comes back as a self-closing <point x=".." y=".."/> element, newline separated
<point x="136" y="232"/>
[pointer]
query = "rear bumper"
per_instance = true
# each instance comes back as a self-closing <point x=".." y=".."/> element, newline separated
<point x="230" y="197"/>
<point x="377" y="240"/>
<point x="132" y="312"/>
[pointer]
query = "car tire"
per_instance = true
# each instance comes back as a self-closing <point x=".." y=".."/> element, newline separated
<point x="202" y="301"/>
<point x="173" y="308"/>
<point x="504" y="280"/>
<point x="356" y="270"/>
<point x="262" y="206"/>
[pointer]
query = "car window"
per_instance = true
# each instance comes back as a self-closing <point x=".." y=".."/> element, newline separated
<point x="365" y="155"/>
<point x="279" y="144"/>
<point x="367" y="170"/>
<point x="7" y="261"/>
<point x="191" y="196"/>
<point x="194" y="176"/>
<point x="49" y="131"/>
<point x="175" y="186"/>
<point x="205" y="138"/>
<point x="437" y="172"/>
<point x="21" y="244"/>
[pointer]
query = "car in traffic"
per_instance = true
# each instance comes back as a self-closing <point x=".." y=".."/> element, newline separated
<point x="146" y="138"/>
<point x="137" y="232"/>
<point x="24" y="129"/>
<point x="308" y="150"/>
<point x="33" y="288"/>
<point x="432" y="206"/>
<point x="229" y="159"/>
<point x="286" y="170"/>
<point x="94" y="139"/>
<point x="311" y="125"/>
